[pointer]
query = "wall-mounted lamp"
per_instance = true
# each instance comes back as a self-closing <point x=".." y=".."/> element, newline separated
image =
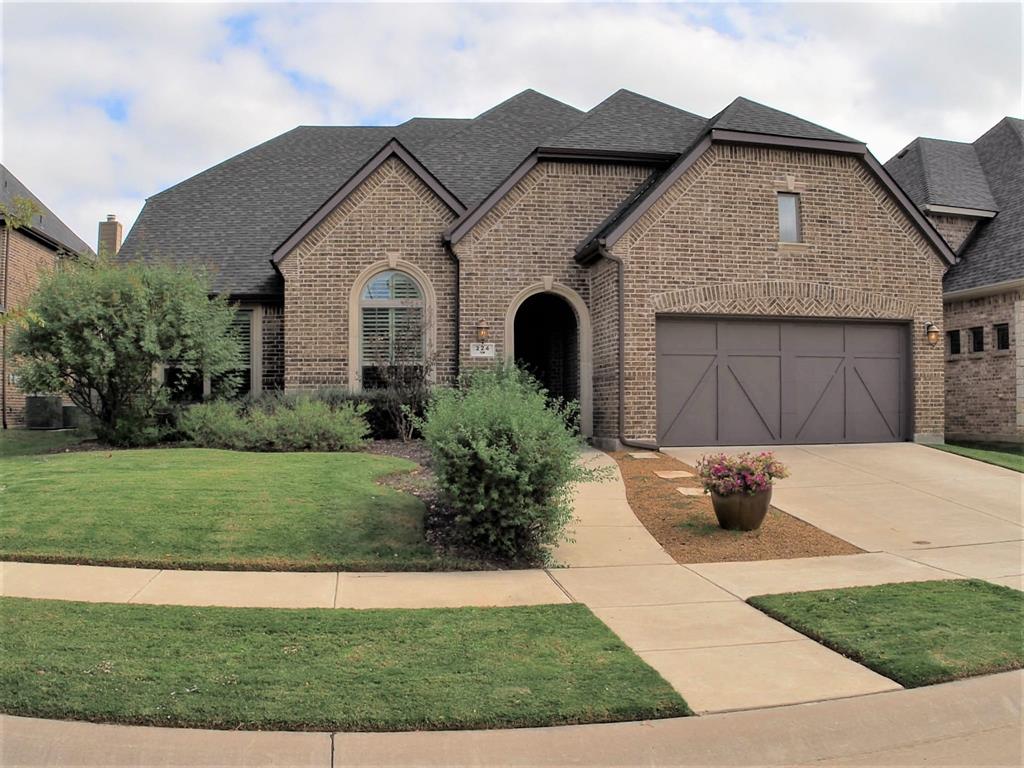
<point x="932" y="333"/>
<point x="483" y="331"/>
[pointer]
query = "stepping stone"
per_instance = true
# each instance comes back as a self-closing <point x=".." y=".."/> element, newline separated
<point x="674" y="474"/>
<point x="644" y="455"/>
<point x="691" y="491"/>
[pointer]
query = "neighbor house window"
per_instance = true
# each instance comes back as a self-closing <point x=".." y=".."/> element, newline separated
<point x="1002" y="332"/>
<point x="977" y="339"/>
<point x="392" y="333"/>
<point x="241" y="326"/>
<point x="953" y="342"/>
<point x="789" y="218"/>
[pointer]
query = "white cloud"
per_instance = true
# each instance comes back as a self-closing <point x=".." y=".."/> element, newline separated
<point x="196" y="89"/>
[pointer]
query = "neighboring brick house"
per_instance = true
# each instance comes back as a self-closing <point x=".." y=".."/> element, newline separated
<point x="745" y="279"/>
<point x="974" y="194"/>
<point x="27" y="252"/>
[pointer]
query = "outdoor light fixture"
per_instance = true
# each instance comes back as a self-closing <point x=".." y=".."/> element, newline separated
<point x="931" y="331"/>
<point x="483" y="331"/>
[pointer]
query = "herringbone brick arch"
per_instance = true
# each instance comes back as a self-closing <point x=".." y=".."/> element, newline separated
<point x="785" y="298"/>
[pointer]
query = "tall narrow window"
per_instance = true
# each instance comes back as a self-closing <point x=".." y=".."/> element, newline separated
<point x="953" y="342"/>
<point x="241" y="326"/>
<point x="977" y="339"/>
<point x="392" y="334"/>
<point x="1002" y="335"/>
<point x="789" y="218"/>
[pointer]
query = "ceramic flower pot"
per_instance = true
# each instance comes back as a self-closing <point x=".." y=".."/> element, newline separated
<point x="740" y="512"/>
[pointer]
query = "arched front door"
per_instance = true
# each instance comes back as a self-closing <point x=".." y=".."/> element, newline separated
<point x="547" y="344"/>
<point x="547" y="330"/>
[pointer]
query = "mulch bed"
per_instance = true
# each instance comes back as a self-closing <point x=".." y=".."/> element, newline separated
<point x="688" y="530"/>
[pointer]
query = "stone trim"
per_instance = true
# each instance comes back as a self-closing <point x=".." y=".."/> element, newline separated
<point x="583" y="324"/>
<point x="783" y="298"/>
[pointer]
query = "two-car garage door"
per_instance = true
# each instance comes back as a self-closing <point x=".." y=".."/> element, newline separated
<point x="753" y="382"/>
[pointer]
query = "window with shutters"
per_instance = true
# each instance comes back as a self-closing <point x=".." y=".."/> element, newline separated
<point x="242" y="328"/>
<point x="392" y="317"/>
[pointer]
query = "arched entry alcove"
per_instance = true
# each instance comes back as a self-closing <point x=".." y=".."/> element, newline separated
<point x="547" y="331"/>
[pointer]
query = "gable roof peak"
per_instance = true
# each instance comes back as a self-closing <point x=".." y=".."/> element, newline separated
<point x="527" y="97"/>
<point x="748" y="116"/>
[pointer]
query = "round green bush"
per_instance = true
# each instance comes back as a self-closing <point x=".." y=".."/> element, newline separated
<point x="506" y="461"/>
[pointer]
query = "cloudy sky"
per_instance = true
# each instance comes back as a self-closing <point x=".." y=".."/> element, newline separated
<point x="106" y="104"/>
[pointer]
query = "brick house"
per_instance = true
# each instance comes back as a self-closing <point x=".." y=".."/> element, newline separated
<point x="974" y="194"/>
<point x="745" y="279"/>
<point x="27" y="253"/>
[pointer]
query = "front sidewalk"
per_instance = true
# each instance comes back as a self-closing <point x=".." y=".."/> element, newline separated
<point x="969" y="722"/>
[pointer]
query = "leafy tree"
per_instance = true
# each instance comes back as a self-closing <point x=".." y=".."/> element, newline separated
<point x="97" y="332"/>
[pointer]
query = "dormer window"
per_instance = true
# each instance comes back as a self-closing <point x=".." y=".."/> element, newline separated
<point x="789" y="218"/>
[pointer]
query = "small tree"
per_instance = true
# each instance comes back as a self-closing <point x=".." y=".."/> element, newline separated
<point x="97" y="332"/>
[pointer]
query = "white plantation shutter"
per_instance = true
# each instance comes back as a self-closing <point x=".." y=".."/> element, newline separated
<point x="392" y="314"/>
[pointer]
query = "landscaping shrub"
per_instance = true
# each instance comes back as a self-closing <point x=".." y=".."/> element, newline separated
<point x="217" y="424"/>
<point x="94" y="331"/>
<point x="302" y="424"/>
<point x="374" y="402"/>
<point x="312" y="425"/>
<point x="505" y="461"/>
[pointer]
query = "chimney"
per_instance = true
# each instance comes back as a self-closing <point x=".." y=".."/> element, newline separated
<point x="109" y="241"/>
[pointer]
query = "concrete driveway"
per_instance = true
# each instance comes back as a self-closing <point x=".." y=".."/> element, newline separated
<point x="937" y="508"/>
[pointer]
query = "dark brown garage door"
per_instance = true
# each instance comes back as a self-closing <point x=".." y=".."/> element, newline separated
<point x="738" y="382"/>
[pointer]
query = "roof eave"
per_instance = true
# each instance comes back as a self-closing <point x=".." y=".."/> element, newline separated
<point x="1002" y="286"/>
<point x="954" y="210"/>
<point x="51" y="242"/>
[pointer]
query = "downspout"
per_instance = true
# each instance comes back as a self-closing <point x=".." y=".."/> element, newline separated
<point x="602" y="251"/>
<point x="458" y="305"/>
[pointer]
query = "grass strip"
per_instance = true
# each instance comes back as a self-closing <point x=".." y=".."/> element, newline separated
<point x="917" y="633"/>
<point x="1008" y="455"/>
<point x="197" y="508"/>
<point x="320" y="669"/>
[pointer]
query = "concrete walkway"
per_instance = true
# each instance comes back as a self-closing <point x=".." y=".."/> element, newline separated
<point x="972" y="722"/>
<point x="956" y="515"/>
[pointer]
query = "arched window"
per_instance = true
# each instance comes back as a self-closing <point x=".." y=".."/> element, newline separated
<point x="392" y="333"/>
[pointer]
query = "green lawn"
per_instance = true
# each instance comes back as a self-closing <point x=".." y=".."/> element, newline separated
<point x="196" y="508"/>
<point x="917" y="633"/>
<point x="257" y="668"/>
<point x="1007" y="455"/>
<point x="26" y="442"/>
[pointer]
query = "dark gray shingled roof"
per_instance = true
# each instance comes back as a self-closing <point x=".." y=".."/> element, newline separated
<point x="995" y="254"/>
<point x="629" y="122"/>
<point x="750" y="117"/>
<point x="46" y="222"/>
<point x="476" y="159"/>
<point x="233" y="216"/>
<point x="938" y="172"/>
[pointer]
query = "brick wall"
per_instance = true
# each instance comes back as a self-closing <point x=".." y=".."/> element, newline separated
<point x="272" y="338"/>
<point x="954" y="229"/>
<point x="27" y="260"/>
<point x="717" y="228"/>
<point x="532" y="234"/>
<point x="528" y="240"/>
<point x="392" y="217"/>
<point x="985" y="390"/>
<point x="604" y="295"/>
